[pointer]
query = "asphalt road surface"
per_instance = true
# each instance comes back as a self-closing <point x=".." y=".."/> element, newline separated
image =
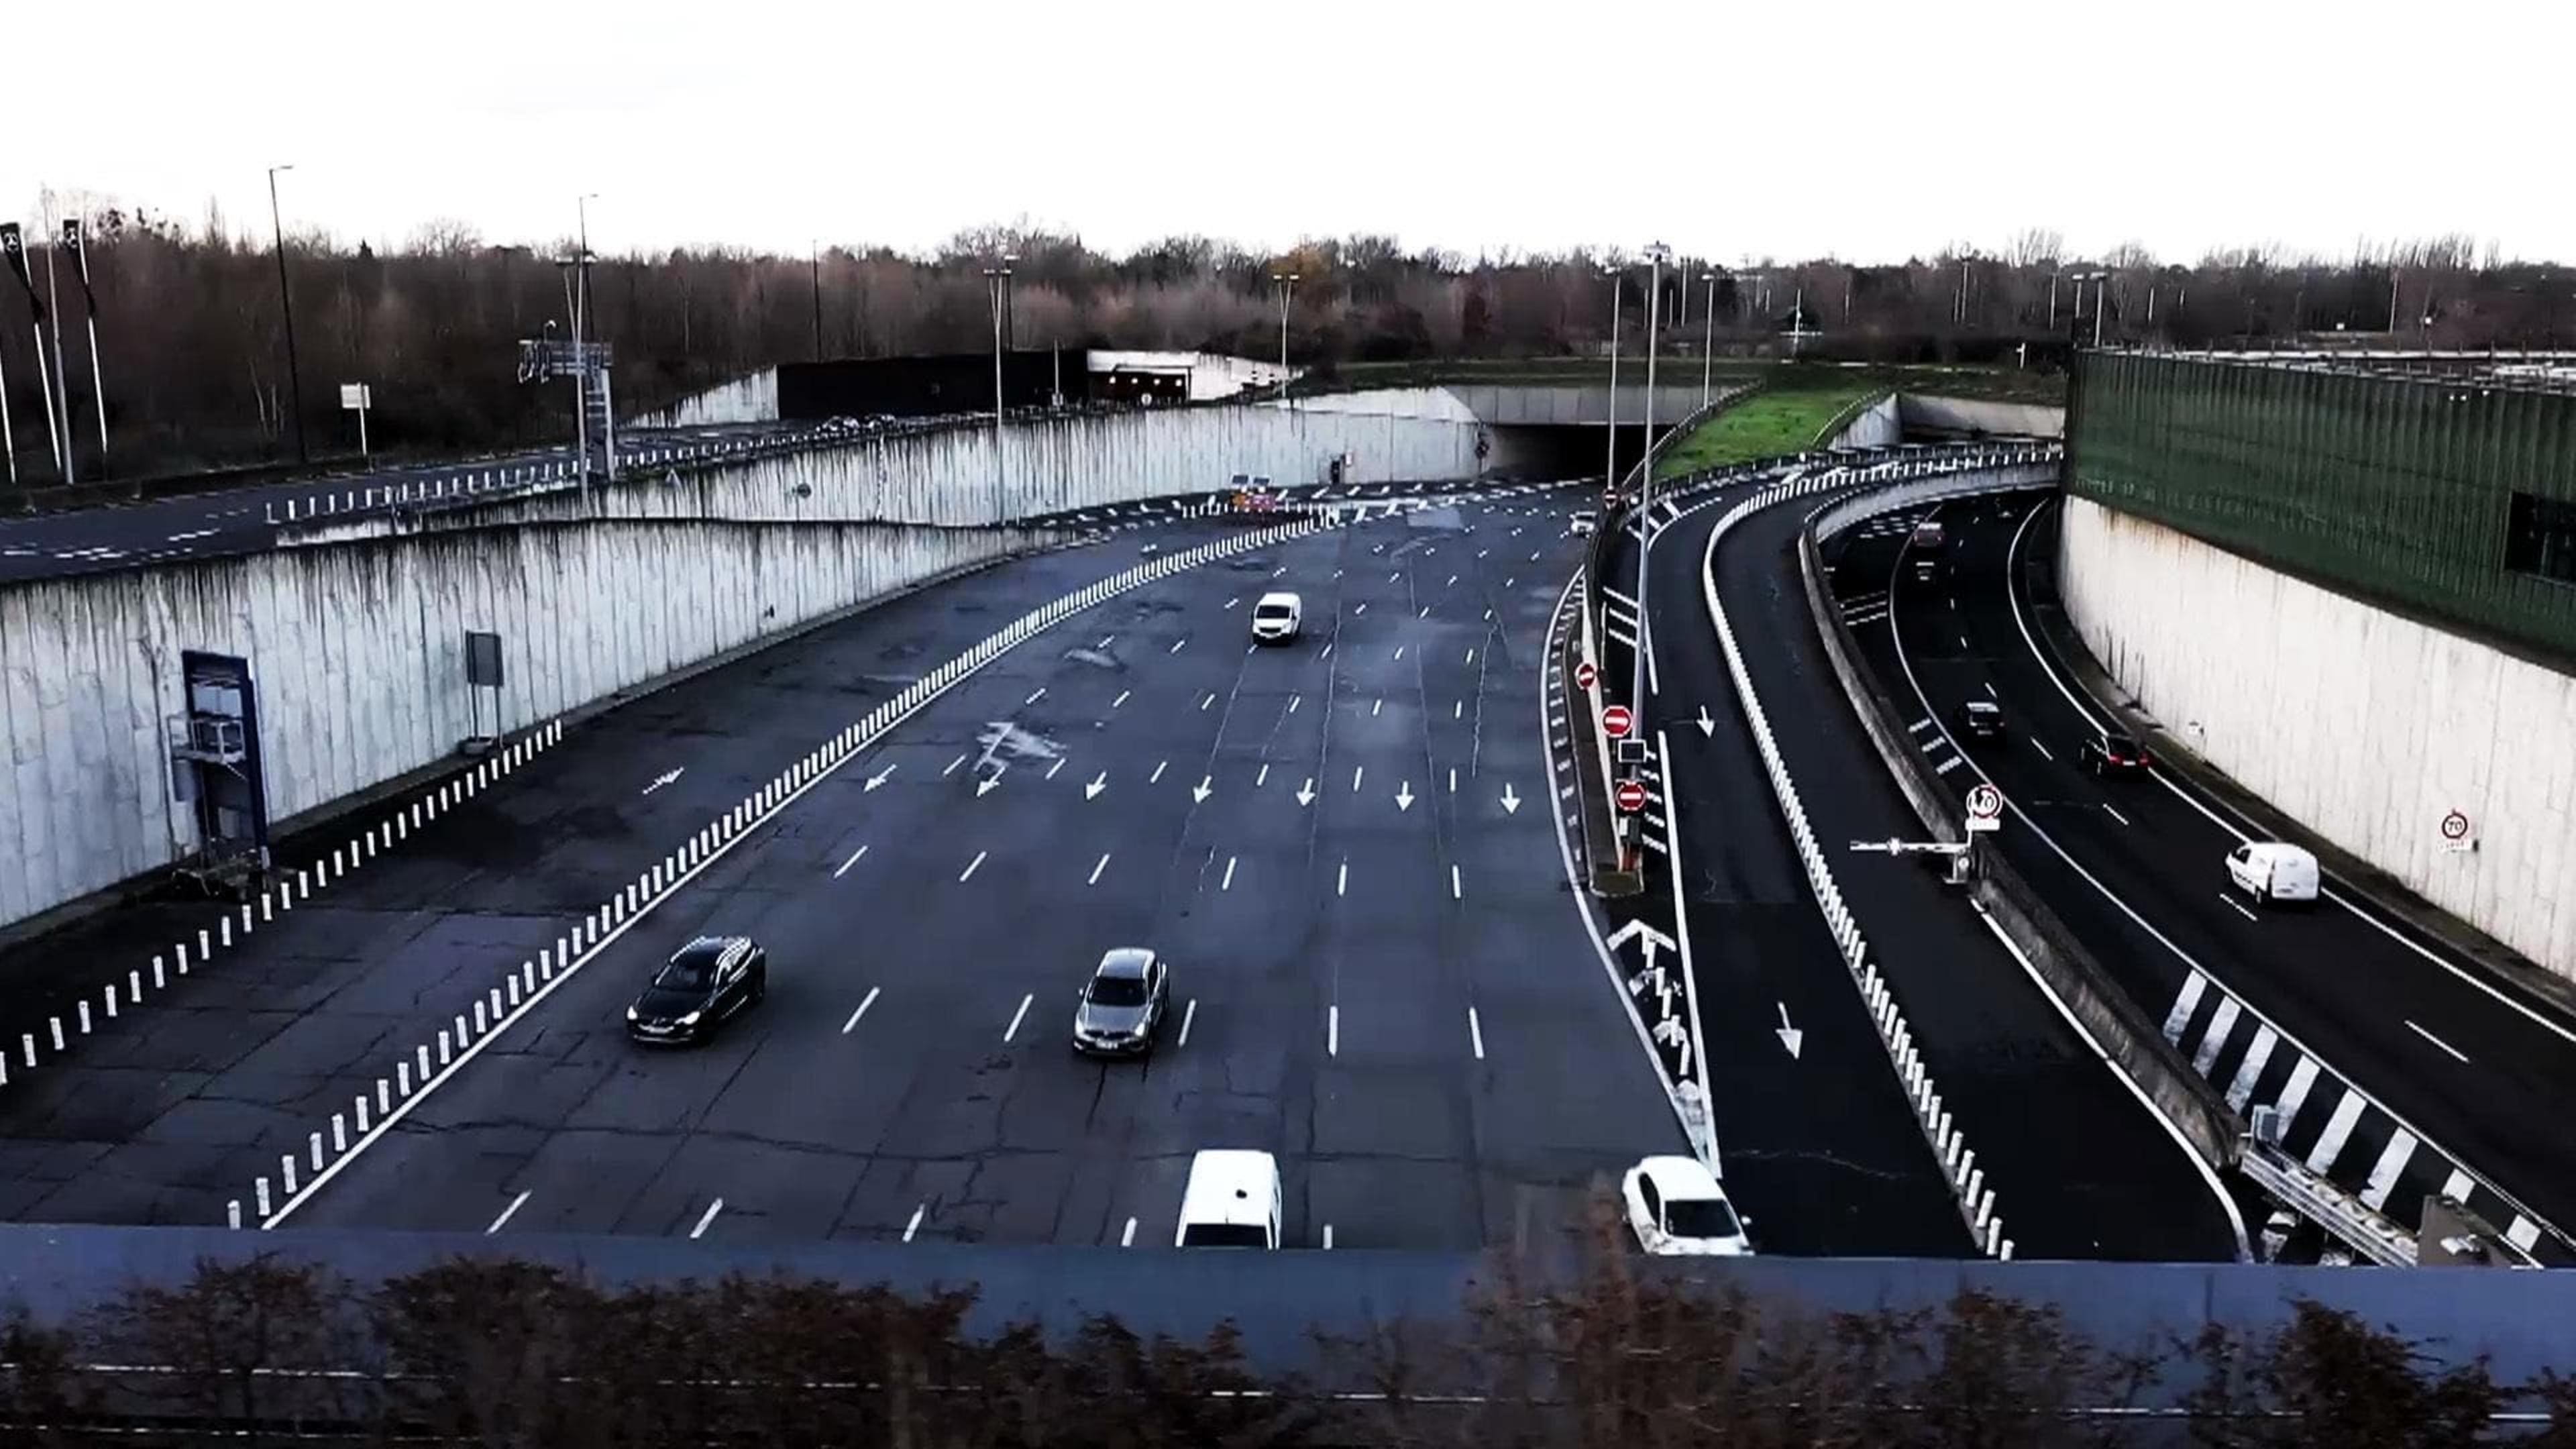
<point x="2080" y="1167"/>
<point x="1376" y="971"/>
<point x="2400" y="1070"/>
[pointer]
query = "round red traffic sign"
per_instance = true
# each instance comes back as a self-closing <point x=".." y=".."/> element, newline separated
<point x="2455" y="826"/>
<point x="1585" y="676"/>
<point x="1631" y="796"/>
<point x="1985" y="802"/>
<point x="1617" y="720"/>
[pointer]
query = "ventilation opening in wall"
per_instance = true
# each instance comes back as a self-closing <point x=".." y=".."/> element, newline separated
<point x="2540" y="537"/>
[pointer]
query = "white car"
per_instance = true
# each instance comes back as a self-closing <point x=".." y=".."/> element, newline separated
<point x="1676" y="1209"/>
<point x="1585" y="523"/>
<point x="2270" y="870"/>
<point x="1232" y="1201"/>
<point x="1277" y="618"/>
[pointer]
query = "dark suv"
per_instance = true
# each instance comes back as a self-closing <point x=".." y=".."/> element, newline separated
<point x="2114" y="754"/>
<point x="1982" y="718"/>
<point x="702" y="986"/>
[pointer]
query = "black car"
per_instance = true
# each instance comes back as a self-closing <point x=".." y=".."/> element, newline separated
<point x="1123" y="1005"/>
<point x="1982" y="718"/>
<point x="702" y="986"/>
<point x="2114" y="754"/>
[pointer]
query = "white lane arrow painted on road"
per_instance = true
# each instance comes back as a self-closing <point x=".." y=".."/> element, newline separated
<point x="1404" y="796"/>
<point x="668" y="778"/>
<point x="1091" y="789"/>
<point x="1200" y="791"/>
<point x="1790" y="1036"/>
<point x="1306" y="792"/>
<point x="988" y="782"/>
<point x="1707" y="726"/>
<point x="877" y="779"/>
<point x="1511" y="802"/>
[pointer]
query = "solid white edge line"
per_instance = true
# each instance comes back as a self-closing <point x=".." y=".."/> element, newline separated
<point x="1583" y="909"/>
<point x="2049" y="667"/>
<point x="2208" y="1175"/>
<point x="2456" y="1054"/>
<point x="1189" y="1014"/>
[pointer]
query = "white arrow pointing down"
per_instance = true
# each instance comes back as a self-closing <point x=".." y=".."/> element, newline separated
<point x="1511" y="802"/>
<point x="1404" y="796"/>
<point x="1790" y="1036"/>
<point x="1098" y="783"/>
<point x="1707" y="726"/>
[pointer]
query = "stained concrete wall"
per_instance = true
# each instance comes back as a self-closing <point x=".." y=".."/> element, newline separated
<point x="1050" y="465"/>
<point x="358" y="653"/>
<point x="1876" y="426"/>
<point x="1544" y="405"/>
<point x="2365" y="726"/>
<point x="1982" y="415"/>
<point x="749" y="399"/>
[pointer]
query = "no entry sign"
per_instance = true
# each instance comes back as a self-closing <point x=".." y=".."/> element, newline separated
<point x="1617" y="720"/>
<point x="1585" y="676"/>
<point x="1631" y="796"/>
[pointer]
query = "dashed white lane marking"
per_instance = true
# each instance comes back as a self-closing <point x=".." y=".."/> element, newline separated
<point x="1261" y="779"/>
<point x="2437" y="1041"/>
<point x="853" y="860"/>
<point x="870" y="1000"/>
<point x="1035" y="695"/>
<point x="2043" y="750"/>
<point x="707" y="1217"/>
<point x="914" y="1226"/>
<point x="1333" y="1030"/>
<point x="1230" y="603"/>
<point x="1295" y="700"/>
<point x="1328" y="650"/>
<point x="1156" y="778"/>
<point x="1105" y="638"/>
<point x="1453" y="579"/>
<point x="1471" y="656"/>
<point x="1121" y="699"/>
<point x="1058" y="765"/>
<point x="1189" y="1013"/>
<point x="1453" y="779"/>
<point x="1342" y="880"/>
<point x="1227" y="884"/>
<point x="1355" y="613"/>
<point x="504" y="1218"/>
<point x="1399" y="651"/>
<point x="1328" y="1237"/>
<point x="1203" y="704"/>
<point x="2115" y="814"/>
<point x="1097" y="869"/>
<point x="964" y="875"/>
<point x="1990" y="691"/>
<point x="1018" y="1016"/>
<point x="1458" y="710"/>
<point x="952" y="767"/>
<point x="1127" y="1236"/>
<point x="2236" y="905"/>
<point x="1457" y="892"/>
<point x="1176" y="645"/>
<point x="1963" y="641"/>
<point x="209" y="533"/>
<point x="1476" y="1033"/>
<point x="1426" y="612"/>
<point x="1356" y="772"/>
<point x="1375" y="708"/>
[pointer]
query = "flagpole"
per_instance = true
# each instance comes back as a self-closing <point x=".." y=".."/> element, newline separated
<point x="62" y="377"/>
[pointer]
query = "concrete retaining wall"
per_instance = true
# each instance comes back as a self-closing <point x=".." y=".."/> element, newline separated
<point x="358" y="653"/>
<point x="2362" y="725"/>
<point x="1875" y="426"/>
<point x="749" y="399"/>
<point x="1982" y="415"/>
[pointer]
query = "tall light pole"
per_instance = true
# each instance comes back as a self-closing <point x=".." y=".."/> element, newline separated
<point x="1287" y="284"/>
<point x="286" y="305"/>
<point x="1656" y="255"/>
<point x="2100" y="280"/>
<point x="1707" y="337"/>
<point x="997" y="280"/>
<point x="1610" y="420"/>
<point x="1010" y="313"/>
<point x="814" y="254"/>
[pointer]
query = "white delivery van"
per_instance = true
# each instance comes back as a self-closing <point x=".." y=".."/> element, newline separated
<point x="1277" y="618"/>
<point x="2271" y="870"/>
<point x="1232" y="1201"/>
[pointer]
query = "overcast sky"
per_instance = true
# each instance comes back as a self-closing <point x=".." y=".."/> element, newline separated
<point x="1870" y="131"/>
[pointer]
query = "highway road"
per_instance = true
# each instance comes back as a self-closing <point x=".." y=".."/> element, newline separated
<point x="242" y="520"/>
<point x="1376" y="971"/>
<point x="2400" y="1069"/>
<point x="2081" y="1168"/>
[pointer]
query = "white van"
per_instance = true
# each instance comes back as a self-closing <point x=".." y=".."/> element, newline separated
<point x="2270" y="870"/>
<point x="1232" y="1201"/>
<point x="1277" y="618"/>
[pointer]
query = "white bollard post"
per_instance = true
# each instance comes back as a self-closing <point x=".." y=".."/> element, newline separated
<point x="286" y="1166"/>
<point x="1976" y="1186"/>
<point x="263" y="1197"/>
<point x="514" y="993"/>
<point x="111" y="1001"/>
<point x="224" y="932"/>
<point x="316" y="1139"/>
<point x="423" y="1051"/>
<point x="232" y="1209"/>
<point x="182" y="949"/>
<point x="1967" y="1164"/>
<point x="446" y="1048"/>
<point x="478" y="1020"/>
<point x="27" y="1041"/>
<point x="84" y="1018"/>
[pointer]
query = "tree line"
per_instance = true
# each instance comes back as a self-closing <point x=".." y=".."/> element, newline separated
<point x="498" y="1352"/>
<point x="193" y="360"/>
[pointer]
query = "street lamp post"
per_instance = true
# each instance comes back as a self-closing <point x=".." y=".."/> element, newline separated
<point x="1287" y="283"/>
<point x="1708" y="337"/>
<point x="286" y="305"/>
<point x="814" y="254"/>
<point x="998" y="282"/>
<point x="1610" y="420"/>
